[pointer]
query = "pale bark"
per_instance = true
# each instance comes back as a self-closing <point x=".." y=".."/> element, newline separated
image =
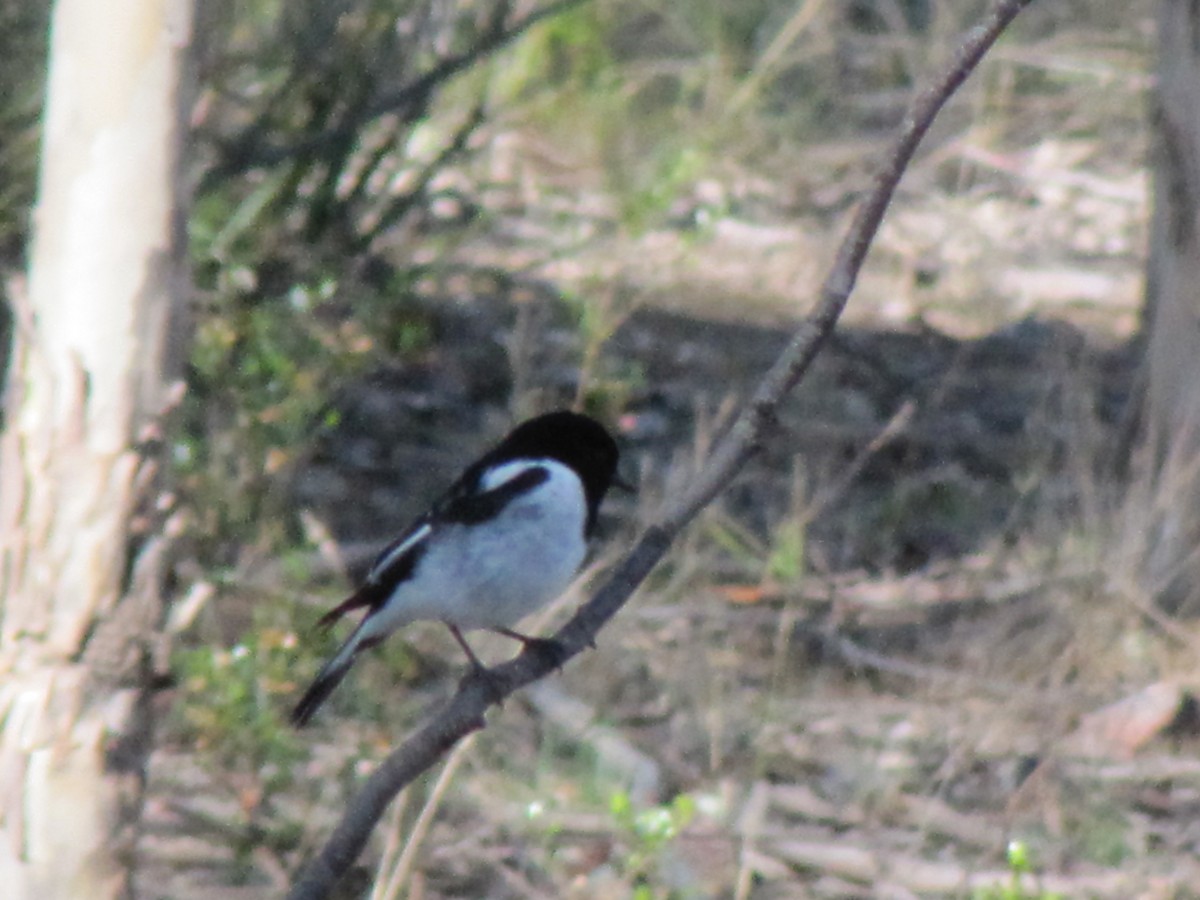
<point x="88" y="376"/>
<point x="1168" y="520"/>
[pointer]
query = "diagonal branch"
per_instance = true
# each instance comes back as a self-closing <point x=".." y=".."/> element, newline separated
<point x="464" y="713"/>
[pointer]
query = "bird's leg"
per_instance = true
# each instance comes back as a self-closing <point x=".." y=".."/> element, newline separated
<point x="478" y="669"/>
<point x="549" y="649"/>
<point x="462" y="642"/>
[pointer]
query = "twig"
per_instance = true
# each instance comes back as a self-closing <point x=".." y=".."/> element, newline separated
<point x="464" y="713"/>
<point x="393" y="841"/>
<point x="246" y="154"/>
<point x="860" y="657"/>
<point x="834" y="492"/>
<point x="399" y="875"/>
<point x="749" y="825"/>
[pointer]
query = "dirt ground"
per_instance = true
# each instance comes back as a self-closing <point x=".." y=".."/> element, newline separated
<point x="909" y="634"/>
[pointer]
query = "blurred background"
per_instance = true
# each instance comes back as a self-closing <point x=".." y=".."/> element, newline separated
<point x="911" y="652"/>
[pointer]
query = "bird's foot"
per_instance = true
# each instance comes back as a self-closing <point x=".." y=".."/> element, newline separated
<point x="479" y="673"/>
<point x="553" y="652"/>
<point x="492" y="686"/>
<point x="550" y="651"/>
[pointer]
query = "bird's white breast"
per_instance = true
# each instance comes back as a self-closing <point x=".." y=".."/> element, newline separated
<point x="493" y="574"/>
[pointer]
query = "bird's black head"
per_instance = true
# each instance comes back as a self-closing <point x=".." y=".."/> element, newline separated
<point x="572" y="439"/>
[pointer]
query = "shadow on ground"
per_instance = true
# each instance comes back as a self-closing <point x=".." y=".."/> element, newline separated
<point x="993" y="422"/>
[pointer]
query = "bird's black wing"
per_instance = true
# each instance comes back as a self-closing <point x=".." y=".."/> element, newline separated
<point x="394" y="564"/>
<point x="474" y="507"/>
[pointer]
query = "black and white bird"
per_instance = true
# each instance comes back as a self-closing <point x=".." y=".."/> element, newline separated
<point x="504" y="540"/>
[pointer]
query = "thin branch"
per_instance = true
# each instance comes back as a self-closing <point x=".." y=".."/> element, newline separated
<point x="464" y="713"/>
<point x="244" y="154"/>
<point x="400" y="874"/>
<point x="399" y="206"/>
<point x="837" y="489"/>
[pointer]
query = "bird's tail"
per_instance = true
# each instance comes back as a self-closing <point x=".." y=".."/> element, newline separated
<point x="330" y="676"/>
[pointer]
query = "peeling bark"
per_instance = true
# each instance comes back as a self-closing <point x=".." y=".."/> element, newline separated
<point x="89" y="373"/>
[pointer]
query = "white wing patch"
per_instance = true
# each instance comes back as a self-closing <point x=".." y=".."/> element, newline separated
<point x="399" y="550"/>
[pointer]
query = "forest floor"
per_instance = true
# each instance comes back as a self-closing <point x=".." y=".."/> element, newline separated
<point x="910" y="634"/>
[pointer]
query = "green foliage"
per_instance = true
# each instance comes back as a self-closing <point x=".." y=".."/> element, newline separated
<point x="785" y="564"/>
<point x="562" y="60"/>
<point x="228" y="713"/>
<point x="643" y="837"/>
<point x="261" y="377"/>
<point x="655" y="826"/>
<point x="647" y="833"/>
<point x="230" y="702"/>
<point x="781" y="559"/>
<point x="1021" y="871"/>
<point x="1099" y="828"/>
<point x="668" y="175"/>
<point x="580" y="77"/>
<point x="568" y="778"/>
<point x="604" y="384"/>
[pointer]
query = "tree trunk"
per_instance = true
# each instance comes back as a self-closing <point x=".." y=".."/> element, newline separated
<point x="1170" y="511"/>
<point x="92" y="356"/>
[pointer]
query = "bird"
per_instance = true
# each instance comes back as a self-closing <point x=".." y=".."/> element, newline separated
<point x="504" y="540"/>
